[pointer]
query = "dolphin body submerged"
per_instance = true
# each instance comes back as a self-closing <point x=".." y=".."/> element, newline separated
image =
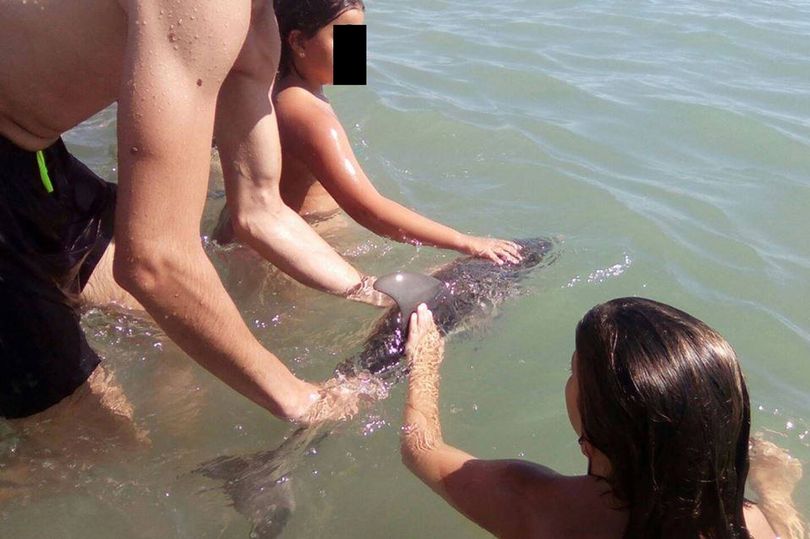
<point x="472" y="290"/>
<point x="258" y="485"/>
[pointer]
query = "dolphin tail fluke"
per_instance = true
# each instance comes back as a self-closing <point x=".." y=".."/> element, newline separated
<point x="259" y="486"/>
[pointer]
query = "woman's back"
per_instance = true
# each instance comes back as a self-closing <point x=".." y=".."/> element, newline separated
<point x="661" y="411"/>
<point x="554" y="506"/>
<point x="582" y="506"/>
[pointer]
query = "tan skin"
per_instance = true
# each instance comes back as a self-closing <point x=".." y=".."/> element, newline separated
<point x="174" y="67"/>
<point x="509" y="498"/>
<point x="321" y="173"/>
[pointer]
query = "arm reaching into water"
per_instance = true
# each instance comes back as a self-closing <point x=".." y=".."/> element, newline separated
<point x="491" y="493"/>
<point x="247" y="138"/>
<point x="166" y="112"/>
<point x="508" y="498"/>
<point x="248" y="141"/>
<point x="312" y="134"/>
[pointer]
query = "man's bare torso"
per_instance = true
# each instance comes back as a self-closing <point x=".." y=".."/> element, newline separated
<point x="62" y="62"/>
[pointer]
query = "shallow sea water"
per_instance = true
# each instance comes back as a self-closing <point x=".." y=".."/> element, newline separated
<point x="667" y="143"/>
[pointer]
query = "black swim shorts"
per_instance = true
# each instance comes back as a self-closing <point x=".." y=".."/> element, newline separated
<point x="56" y="220"/>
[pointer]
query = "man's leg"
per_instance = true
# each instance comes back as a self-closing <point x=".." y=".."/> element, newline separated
<point x="93" y="423"/>
<point x="96" y="417"/>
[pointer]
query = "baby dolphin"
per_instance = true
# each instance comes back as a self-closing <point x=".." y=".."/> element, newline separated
<point x="462" y="293"/>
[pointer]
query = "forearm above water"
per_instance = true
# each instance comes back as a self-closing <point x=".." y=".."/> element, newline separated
<point x="393" y="220"/>
<point x="285" y="239"/>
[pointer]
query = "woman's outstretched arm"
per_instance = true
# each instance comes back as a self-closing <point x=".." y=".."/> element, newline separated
<point x="312" y="133"/>
<point x="491" y="493"/>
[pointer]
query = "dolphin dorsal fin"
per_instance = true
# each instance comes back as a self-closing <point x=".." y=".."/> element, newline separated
<point x="408" y="290"/>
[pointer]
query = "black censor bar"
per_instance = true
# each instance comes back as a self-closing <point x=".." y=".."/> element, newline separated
<point x="349" y="54"/>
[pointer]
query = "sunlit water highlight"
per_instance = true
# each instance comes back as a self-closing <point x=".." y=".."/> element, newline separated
<point x="669" y="144"/>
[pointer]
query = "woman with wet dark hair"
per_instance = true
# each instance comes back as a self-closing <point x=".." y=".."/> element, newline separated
<point x="306" y="17"/>
<point x="661" y="410"/>
<point x="663" y="415"/>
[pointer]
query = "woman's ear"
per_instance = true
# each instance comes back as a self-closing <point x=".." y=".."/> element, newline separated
<point x="586" y="447"/>
<point x="297" y="42"/>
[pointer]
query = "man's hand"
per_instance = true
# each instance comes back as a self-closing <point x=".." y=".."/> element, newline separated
<point x="340" y="398"/>
<point x="365" y="292"/>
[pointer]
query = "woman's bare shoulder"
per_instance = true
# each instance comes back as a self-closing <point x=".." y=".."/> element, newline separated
<point x="542" y="480"/>
<point x="303" y="117"/>
<point x="555" y="505"/>
<point x="297" y="100"/>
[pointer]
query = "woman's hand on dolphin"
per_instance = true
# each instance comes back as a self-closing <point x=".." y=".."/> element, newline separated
<point x="425" y="346"/>
<point x="499" y="251"/>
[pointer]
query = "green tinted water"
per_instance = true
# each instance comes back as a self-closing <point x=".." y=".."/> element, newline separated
<point x="668" y="144"/>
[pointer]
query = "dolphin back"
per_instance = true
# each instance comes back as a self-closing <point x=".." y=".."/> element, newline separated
<point x="259" y="485"/>
<point x="471" y="290"/>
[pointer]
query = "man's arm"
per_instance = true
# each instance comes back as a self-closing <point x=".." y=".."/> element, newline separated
<point x="178" y="54"/>
<point x="247" y="139"/>
<point x="249" y="148"/>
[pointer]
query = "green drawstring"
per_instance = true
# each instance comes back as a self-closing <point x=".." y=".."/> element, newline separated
<point x="43" y="172"/>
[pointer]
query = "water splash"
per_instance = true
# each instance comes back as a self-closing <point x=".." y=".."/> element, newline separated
<point x="601" y="275"/>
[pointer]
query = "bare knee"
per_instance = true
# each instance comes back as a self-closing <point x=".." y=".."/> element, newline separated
<point x="97" y="416"/>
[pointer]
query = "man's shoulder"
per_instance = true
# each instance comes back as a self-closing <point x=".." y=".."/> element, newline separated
<point x="190" y="26"/>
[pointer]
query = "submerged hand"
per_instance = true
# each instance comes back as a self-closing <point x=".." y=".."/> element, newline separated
<point x="772" y="470"/>
<point x="499" y="251"/>
<point x="774" y="475"/>
<point x="340" y="398"/>
<point x="330" y="404"/>
<point x="364" y="292"/>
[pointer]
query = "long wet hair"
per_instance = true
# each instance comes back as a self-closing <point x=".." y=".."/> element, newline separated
<point x="307" y="16"/>
<point x="661" y="394"/>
